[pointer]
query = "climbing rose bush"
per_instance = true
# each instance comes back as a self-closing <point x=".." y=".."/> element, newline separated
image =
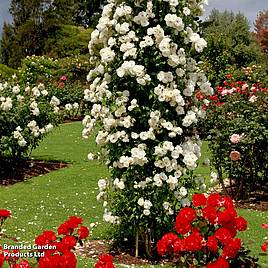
<point x="141" y="92"/>
<point x="206" y="235"/>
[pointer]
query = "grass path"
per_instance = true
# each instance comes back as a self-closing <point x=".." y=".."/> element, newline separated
<point x="46" y="201"/>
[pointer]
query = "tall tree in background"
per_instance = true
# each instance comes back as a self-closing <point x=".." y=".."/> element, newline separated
<point x="230" y="42"/>
<point x="37" y="24"/>
<point x="261" y="30"/>
<point x="88" y="11"/>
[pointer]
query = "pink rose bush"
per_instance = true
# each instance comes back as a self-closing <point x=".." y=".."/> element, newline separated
<point x="236" y="128"/>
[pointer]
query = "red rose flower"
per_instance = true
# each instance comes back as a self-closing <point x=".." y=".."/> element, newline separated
<point x="235" y="155"/>
<point x="263" y="247"/>
<point x="230" y="250"/>
<point x="105" y="261"/>
<point x="212" y="244"/>
<point x="68" y="242"/>
<point x="186" y="213"/>
<point x="193" y="242"/>
<point x="161" y="247"/>
<point x="22" y="264"/>
<point x="241" y="224"/>
<point x="106" y="258"/>
<point x="199" y="200"/>
<point x="74" y="221"/>
<point x="63" y="78"/>
<point x="166" y="243"/>
<point x="4" y="213"/>
<point x="265" y="225"/>
<point x="210" y="214"/>
<point x="65" y="229"/>
<point x="219" y="263"/>
<point x="178" y="245"/>
<point x="47" y="237"/>
<point x="228" y="202"/>
<point x="182" y="226"/>
<point x="214" y="200"/>
<point x="69" y="260"/>
<point x="223" y="235"/>
<point x="83" y="232"/>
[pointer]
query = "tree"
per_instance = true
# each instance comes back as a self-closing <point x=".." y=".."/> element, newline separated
<point x="88" y="11"/>
<point x="261" y="30"/>
<point x="230" y="42"/>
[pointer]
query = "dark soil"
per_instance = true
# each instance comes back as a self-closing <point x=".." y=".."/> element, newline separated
<point x="93" y="248"/>
<point x="257" y="200"/>
<point x="29" y="169"/>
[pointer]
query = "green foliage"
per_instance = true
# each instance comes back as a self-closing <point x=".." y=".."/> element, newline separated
<point x="229" y="43"/>
<point x="64" y="78"/>
<point x="239" y="109"/>
<point x="27" y="114"/>
<point x="37" y="69"/>
<point x="68" y="41"/>
<point x="42" y="27"/>
<point x="254" y="74"/>
<point x="88" y="12"/>
<point x="76" y="68"/>
<point x="6" y="72"/>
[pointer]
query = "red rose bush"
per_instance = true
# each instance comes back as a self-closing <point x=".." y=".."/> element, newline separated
<point x="206" y="233"/>
<point x="55" y="250"/>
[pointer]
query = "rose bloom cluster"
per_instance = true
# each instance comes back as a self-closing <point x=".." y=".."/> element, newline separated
<point x="105" y="261"/>
<point x="230" y="87"/>
<point x="28" y="114"/>
<point x="141" y="91"/>
<point x="57" y="251"/>
<point x="207" y="230"/>
<point x="62" y="256"/>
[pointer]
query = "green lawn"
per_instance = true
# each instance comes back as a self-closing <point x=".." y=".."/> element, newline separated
<point x="44" y="202"/>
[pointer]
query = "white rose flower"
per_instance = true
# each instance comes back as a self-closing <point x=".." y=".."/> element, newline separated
<point x="183" y="191"/>
<point x="90" y="156"/>
<point x="141" y="201"/>
<point x="147" y="204"/>
<point x="102" y="184"/>
<point x="146" y="212"/>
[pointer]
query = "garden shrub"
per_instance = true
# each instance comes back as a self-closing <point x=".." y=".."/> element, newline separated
<point x="36" y="69"/>
<point x="6" y="72"/>
<point x="206" y="235"/>
<point x="75" y="68"/>
<point x="69" y="41"/>
<point x="26" y="115"/>
<point x="50" y="249"/>
<point x="64" y="79"/>
<point x="236" y="127"/>
<point x="142" y="91"/>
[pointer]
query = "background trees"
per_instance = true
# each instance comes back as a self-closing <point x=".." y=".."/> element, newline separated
<point x="261" y="29"/>
<point x="40" y="27"/>
<point x="230" y="43"/>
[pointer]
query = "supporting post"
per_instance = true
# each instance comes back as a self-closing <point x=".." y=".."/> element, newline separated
<point x="137" y="245"/>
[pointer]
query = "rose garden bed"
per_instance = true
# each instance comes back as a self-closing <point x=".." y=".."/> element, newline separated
<point x="43" y="202"/>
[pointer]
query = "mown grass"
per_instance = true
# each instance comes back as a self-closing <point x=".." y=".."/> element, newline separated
<point x="44" y="202"/>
